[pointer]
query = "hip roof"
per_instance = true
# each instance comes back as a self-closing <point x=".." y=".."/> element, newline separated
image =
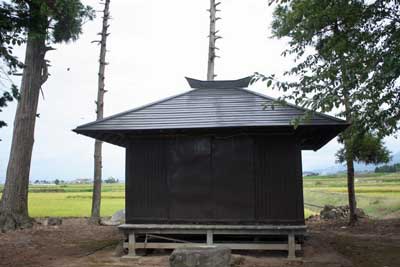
<point x="211" y="104"/>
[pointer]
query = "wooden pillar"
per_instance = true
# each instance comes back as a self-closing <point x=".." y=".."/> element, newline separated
<point x="210" y="238"/>
<point x="132" y="245"/>
<point x="291" y="246"/>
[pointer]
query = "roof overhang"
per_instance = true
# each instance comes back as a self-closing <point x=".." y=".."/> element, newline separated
<point x="213" y="108"/>
<point x="310" y="137"/>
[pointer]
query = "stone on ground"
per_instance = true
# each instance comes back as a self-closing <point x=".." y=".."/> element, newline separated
<point x="116" y="219"/>
<point x="53" y="221"/>
<point x="206" y="256"/>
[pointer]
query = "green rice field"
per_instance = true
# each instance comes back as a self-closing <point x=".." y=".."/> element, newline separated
<point x="377" y="194"/>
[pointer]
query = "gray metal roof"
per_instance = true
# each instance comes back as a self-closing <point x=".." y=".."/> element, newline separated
<point x="207" y="107"/>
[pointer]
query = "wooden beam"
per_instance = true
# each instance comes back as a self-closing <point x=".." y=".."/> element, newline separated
<point x="234" y="246"/>
<point x="210" y="227"/>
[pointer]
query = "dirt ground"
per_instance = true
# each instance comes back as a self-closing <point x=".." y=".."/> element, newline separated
<point x="75" y="243"/>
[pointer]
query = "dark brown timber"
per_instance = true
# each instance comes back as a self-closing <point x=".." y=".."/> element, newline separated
<point x="215" y="179"/>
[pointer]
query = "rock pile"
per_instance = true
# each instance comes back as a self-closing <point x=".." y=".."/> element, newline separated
<point x="340" y="212"/>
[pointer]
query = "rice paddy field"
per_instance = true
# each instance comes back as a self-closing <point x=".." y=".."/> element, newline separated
<point x="378" y="194"/>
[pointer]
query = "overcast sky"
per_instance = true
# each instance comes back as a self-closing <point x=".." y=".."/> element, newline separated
<point x="153" y="45"/>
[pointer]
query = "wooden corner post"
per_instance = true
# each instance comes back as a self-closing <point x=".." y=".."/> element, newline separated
<point x="291" y="246"/>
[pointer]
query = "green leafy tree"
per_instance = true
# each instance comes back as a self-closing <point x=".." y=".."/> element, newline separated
<point x="388" y="168"/>
<point x="334" y="44"/>
<point x="111" y="180"/>
<point x="10" y="36"/>
<point x="366" y="147"/>
<point x="8" y="96"/>
<point x="41" y="22"/>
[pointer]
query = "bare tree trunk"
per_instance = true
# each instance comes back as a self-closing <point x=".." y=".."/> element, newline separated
<point x="213" y="37"/>
<point x="14" y="201"/>
<point x="350" y="189"/>
<point x="96" y="199"/>
<point x="350" y="164"/>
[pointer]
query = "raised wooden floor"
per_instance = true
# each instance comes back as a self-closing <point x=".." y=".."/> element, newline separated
<point x="171" y="236"/>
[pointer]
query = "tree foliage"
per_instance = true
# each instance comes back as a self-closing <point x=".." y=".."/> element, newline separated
<point x="10" y="36"/>
<point x="366" y="148"/>
<point x="346" y="61"/>
<point x="388" y="168"/>
<point x="55" y="20"/>
<point x="347" y="56"/>
<point x="111" y="180"/>
<point x="7" y="97"/>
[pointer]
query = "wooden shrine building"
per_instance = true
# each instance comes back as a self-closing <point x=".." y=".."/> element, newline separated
<point x="214" y="161"/>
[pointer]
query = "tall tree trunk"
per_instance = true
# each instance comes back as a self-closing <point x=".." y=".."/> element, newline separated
<point x="348" y="139"/>
<point x="350" y="163"/>
<point x="350" y="187"/>
<point x="213" y="37"/>
<point x="96" y="199"/>
<point x="14" y="201"/>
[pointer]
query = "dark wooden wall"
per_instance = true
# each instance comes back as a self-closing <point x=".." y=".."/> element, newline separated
<point x="206" y="179"/>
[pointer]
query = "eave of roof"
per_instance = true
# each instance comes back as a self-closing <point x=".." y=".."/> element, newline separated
<point x="227" y="107"/>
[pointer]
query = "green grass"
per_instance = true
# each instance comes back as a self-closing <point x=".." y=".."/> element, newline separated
<point x="73" y="200"/>
<point x="73" y="204"/>
<point x="308" y="212"/>
<point x="378" y="194"/>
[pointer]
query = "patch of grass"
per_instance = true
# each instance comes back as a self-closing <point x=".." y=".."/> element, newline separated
<point x="361" y="189"/>
<point x="75" y="188"/>
<point x="308" y="213"/>
<point x="73" y="204"/>
<point x="81" y="196"/>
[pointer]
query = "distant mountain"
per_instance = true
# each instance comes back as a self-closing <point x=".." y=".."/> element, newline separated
<point x="359" y="167"/>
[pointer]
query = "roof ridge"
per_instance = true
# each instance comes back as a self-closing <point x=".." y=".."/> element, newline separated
<point x="219" y="84"/>
<point x="134" y="109"/>
<point x="293" y="105"/>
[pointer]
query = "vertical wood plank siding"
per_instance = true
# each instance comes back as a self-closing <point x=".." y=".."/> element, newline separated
<point x="146" y="173"/>
<point x="242" y="179"/>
